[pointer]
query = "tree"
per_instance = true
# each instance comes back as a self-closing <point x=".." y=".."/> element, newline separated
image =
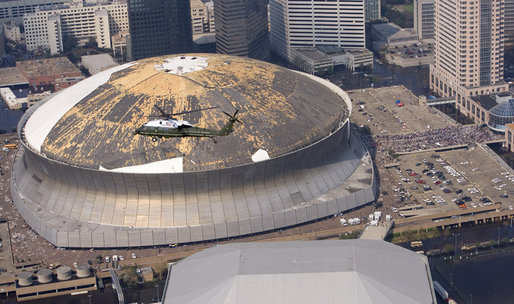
<point x="91" y="42"/>
<point x="161" y="271"/>
<point x="448" y="248"/>
<point x="69" y="43"/>
<point x="130" y="276"/>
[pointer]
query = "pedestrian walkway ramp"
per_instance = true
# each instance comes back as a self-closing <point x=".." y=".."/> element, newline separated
<point x="378" y="232"/>
<point x="116" y="284"/>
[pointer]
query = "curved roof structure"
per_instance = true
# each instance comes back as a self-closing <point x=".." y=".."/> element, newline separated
<point x="91" y="125"/>
<point x="504" y="109"/>
<point x="83" y="179"/>
<point x="349" y="271"/>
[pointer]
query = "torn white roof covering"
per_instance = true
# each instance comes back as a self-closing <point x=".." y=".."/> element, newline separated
<point x="260" y="155"/>
<point x="44" y="119"/>
<point x="173" y="165"/>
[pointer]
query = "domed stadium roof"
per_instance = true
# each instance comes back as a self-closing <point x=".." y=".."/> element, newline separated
<point x="91" y="124"/>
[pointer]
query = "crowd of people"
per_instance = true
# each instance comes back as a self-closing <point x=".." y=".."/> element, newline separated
<point x="383" y="146"/>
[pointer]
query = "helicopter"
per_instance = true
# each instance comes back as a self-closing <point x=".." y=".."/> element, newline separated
<point x="167" y="126"/>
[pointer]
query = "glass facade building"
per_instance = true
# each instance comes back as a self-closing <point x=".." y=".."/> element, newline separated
<point x="372" y="10"/>
<point x="501" y="115"/>
<point x="242" y="28"/>
<point x="159" y="27"/>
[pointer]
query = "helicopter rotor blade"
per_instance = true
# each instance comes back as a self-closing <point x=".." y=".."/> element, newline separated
<point x="186" y="112"/>
<point x="227" y="114"/>
<point x="161" y="110"/>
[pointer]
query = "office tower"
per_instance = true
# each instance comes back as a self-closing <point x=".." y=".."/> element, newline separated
<point x="158" y="27"/>
<point x="469" y="45"/>
<point x="242" y="28"/>
<point x="424" y="18"/>
<point x="310" y="23"/>
<point x="372" y="10"/>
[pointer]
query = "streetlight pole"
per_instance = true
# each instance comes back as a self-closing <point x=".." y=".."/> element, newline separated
<point x="455" y="244"/>
<point x="157" y="290"/>
<point x="89" y="296"/>
<point x="498" y="236"/>
<point x="451" y="282"/>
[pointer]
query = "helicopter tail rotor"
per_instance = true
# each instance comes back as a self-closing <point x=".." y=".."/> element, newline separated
<point x="233" y="116"/>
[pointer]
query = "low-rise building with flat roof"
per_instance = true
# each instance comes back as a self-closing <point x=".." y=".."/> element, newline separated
<point x="97" y="63"/>
<point x="312" y="61"/>
<point x="351" y="58"/>
<point x="495" y="110"/>
<point x="12" y="77"/>
<point x="52" y="74"/>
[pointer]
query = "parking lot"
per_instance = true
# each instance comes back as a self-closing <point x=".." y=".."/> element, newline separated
<point x="452" y="180"/>
<point x="377" y="109"/>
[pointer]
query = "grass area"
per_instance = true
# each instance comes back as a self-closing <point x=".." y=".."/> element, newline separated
<point x="404" y="8"/>
<point x="412" y="235"/>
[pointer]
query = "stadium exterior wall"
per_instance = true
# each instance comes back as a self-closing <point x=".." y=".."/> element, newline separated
<point x="83" y="208"/>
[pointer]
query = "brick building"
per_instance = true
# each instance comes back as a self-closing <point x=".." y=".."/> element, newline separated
<point x="52" y="74"/>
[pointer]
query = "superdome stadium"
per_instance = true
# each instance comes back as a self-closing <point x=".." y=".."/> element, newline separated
<point x="84" y="179"/>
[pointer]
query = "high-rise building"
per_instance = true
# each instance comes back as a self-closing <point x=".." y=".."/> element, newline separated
<point x="242" y="28"/>
<point x="15" y="9"/>
<point x="469" y="45"/>
<point x="158" y="27"/>
<point x="424" y="18"/>
<point x="509" y="21"/>
<point x="311" y="23"/>
<point x="372" y="10"/>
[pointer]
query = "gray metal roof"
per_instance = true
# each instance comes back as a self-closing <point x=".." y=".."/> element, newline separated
<point x="97" y="63"/>
<point x="350" y="271"/>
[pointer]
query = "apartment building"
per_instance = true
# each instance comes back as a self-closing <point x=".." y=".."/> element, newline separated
<point x="469" y="49"/>
<point x="424" y="19"/>
<point x="46" y="29"/>
<point x="311" y="23"/>
<point x="12" y="31"/>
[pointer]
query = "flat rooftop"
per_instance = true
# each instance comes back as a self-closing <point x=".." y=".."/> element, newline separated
<point x="485" y="101"/>
<point x="97" y="63"/>
<point x="312" y="53"/>
<point x="50" y="66"/>
<point x="384" y="117"/>
<point x="386" y="29"/>
<point x="11" y="76"/>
